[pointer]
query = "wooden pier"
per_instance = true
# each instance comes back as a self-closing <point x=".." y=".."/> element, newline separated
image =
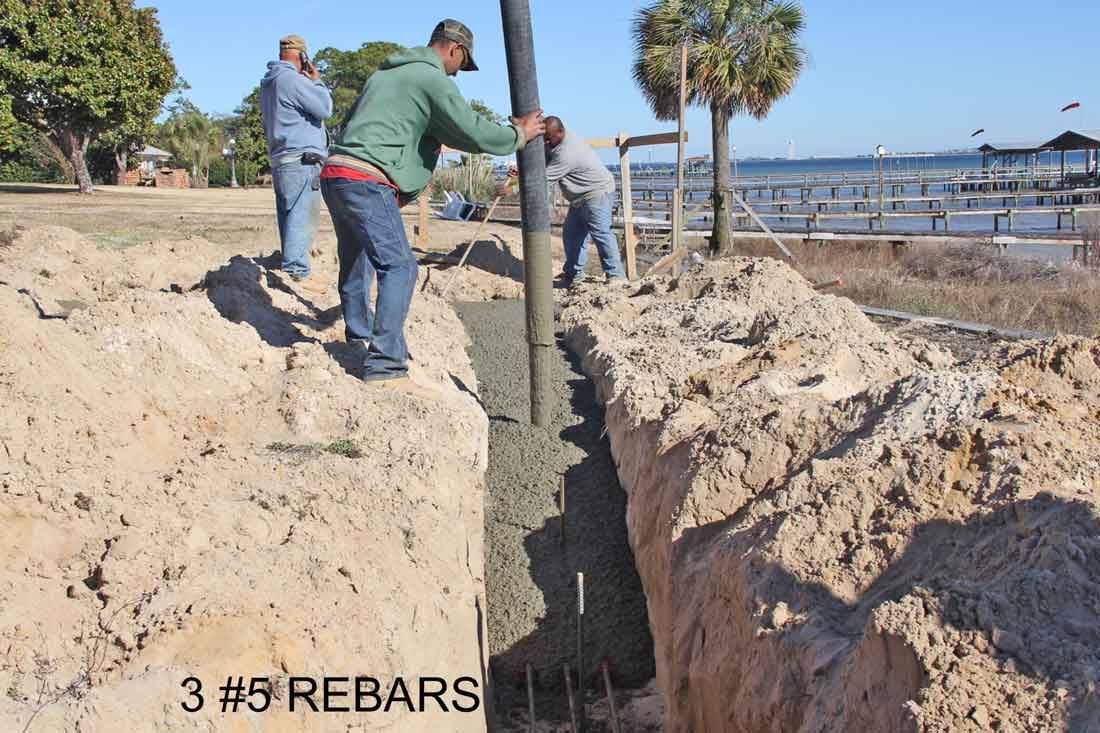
<point x="960" y="179"/>
<point x="879" y="204"/>
<point x="825" y="205"/>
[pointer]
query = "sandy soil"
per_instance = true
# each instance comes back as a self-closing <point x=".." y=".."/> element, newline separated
<point x="194" y="483"/>
<point x="837" y="529"/>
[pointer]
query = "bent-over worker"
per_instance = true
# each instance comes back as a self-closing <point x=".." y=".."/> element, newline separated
<point x="588" y="186"/>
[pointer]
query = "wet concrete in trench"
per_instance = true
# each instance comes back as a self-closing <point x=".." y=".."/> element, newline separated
<point x="530" y="571"/>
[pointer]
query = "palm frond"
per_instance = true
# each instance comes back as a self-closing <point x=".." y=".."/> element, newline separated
<point x="744" y="56"/>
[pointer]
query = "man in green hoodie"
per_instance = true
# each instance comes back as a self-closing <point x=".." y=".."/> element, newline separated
<point x="384" y="159"/>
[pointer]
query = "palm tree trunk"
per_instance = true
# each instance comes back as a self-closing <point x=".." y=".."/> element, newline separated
<point x="721" y="241"/>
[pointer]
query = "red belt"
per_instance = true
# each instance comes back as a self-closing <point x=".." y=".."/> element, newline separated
<point x="339" y="171"/>
<point x="356" y="170"/>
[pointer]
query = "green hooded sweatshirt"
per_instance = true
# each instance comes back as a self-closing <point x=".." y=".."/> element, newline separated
<point x="410" y="107"/>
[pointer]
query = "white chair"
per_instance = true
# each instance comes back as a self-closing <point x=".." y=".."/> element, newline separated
<point x="457" y="208"/>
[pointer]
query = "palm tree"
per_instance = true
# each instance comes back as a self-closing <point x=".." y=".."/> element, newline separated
<point x="744" y="55"/>
<point x="191" y="135"/>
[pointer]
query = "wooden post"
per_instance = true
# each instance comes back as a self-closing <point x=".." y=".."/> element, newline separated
<point x="881" y="192"/>
<point x="424" y="211"/>
<point x="678" y="197"/>
<point x="629" y="241"/>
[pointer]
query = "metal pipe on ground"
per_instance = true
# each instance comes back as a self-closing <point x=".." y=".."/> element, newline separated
<point x="519" y="48"/>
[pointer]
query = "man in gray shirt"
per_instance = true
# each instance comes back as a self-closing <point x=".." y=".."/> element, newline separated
<point x="588" y="187"/>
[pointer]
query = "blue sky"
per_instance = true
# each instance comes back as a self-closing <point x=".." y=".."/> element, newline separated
<point x="912" y="76"/>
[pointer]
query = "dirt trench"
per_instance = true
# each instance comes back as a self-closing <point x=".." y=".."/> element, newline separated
<point x="532" y="557"/>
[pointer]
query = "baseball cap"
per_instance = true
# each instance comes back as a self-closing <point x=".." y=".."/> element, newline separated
<point x="452" y="30"/>
<point x="292" y="42"/>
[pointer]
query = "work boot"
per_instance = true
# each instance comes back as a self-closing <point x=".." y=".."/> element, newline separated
<point x="563" y="282"/>
<point x="408" y="386"/>
<point x="313" y="284"/>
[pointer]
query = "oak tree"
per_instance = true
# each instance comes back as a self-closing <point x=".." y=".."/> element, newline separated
<point x="79" y="70"/>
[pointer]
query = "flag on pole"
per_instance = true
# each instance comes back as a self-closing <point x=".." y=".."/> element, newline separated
<point x="1071" y="105"/>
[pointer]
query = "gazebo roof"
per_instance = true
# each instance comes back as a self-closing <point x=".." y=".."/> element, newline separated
<point x="1076" y="140"/>
<point x="154" y="152"/>
<point x="1014" y="146"/>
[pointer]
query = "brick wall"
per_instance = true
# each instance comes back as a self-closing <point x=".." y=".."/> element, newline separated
<point x="173" y="178"/>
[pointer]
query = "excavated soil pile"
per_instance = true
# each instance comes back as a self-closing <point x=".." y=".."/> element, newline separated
<point x="193" y="484"/>
<point x="530" y="566"/>
<point x="839" y="530"/>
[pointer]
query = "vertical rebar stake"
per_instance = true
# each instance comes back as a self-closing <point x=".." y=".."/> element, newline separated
<point x="580" y="650"/>
<point x="531" y="696"/>
<point x="611" y="699"/>
<point x="561" y="508"/>
<point x="569" y="694"/>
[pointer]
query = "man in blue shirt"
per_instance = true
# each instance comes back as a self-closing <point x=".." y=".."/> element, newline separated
<point x="295" y="106"/>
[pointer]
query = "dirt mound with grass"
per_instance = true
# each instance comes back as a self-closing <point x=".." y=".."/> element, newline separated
<point x="840" y="530"/>
<point x="194" y="483"/>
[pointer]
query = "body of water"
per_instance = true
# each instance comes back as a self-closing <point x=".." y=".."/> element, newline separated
<point x="662" y="176"/>
<point x="894" y="164"/>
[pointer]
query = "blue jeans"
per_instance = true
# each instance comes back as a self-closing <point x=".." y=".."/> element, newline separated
<point x="591" y="218"/>
<point x="298" y="206"/>
<point x="371" y="241"/>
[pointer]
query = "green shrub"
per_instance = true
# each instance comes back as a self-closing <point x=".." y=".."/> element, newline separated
<point x="22" y="171"/>
<point x="474" y="179"/>
<point x="220" y="173"/>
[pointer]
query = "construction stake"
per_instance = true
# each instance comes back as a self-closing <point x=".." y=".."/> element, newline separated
<point x="760" y="223"/>
<point x="470" y="246"/>
<point x="667" y="261"/>
<point x="611" y="699"/>
<point x="580" y="649"/>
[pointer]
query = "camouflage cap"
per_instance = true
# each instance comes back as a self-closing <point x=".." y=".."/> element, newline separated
<point x="452" y="30"/>
<point x="293" y="42"/>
